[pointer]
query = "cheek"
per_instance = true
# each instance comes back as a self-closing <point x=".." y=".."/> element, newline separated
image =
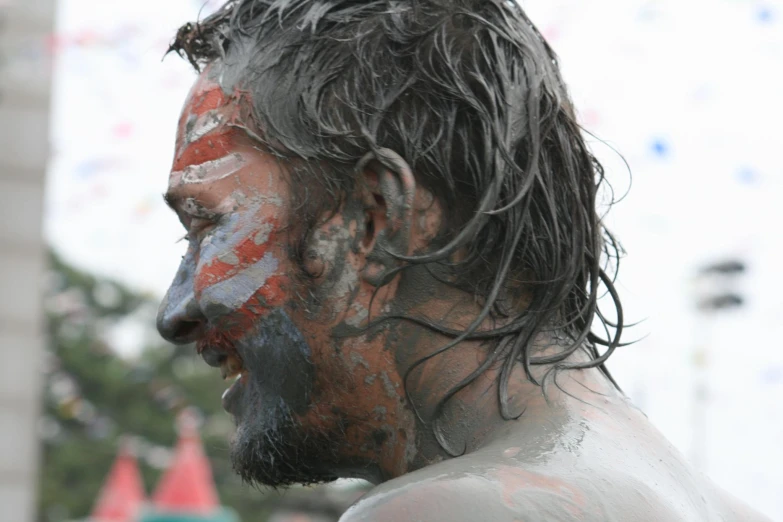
<point x="245" y="275"/>
<point x="238" y="320"/>
<point x="331" y="261"/>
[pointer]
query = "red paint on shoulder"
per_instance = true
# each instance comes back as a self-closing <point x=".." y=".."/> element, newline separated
<point x="516" y="481"/>
<point x="511" y="452"/>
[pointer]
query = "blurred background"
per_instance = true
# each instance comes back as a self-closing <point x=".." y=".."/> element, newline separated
<point x="98" y="414"/>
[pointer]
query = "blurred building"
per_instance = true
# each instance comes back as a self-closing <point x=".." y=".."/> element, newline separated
<point x="186" y="491"/>
<point x="25" y="77"/>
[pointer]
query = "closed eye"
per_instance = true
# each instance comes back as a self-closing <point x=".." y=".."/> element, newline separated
<point x="198" y="228"/>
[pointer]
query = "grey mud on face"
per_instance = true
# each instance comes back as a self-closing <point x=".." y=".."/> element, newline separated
<point x="279" y="370"/>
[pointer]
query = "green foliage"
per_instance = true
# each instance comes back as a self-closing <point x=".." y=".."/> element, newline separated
<point x="94" y="397"/>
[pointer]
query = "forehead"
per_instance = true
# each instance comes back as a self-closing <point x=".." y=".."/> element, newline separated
<point x="209" y="93"/>
<point x="213" y="143"/>
<point x="209" y="121"/>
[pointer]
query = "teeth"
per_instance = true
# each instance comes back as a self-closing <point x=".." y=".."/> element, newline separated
<point x="236" y="378"/>
<point x="231" y="367"/>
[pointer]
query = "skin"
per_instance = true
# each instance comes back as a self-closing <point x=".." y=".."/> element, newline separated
<point x="326" y="396"/>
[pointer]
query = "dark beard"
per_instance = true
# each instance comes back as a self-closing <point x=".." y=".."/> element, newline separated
<point x="272" y="449"/>
<point x="271" y="446"/>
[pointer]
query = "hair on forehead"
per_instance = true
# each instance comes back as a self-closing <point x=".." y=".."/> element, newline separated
<point x="470" y="95"/>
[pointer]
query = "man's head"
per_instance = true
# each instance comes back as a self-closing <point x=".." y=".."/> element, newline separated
<point x="362" y="179"/>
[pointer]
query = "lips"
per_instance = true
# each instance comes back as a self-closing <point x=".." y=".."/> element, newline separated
<point x="232" y="392"/>
<point x="231" y="367"/>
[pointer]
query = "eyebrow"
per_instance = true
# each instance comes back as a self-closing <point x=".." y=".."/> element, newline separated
<point x="179" y="204"/>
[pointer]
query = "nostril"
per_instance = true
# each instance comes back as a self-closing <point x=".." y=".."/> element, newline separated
<point x="186" y="331"/>
<point x="180" y="320"/>
<point x="177" y="330"/>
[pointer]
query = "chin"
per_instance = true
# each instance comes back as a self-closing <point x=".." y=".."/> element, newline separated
<point x="272" y="448"/>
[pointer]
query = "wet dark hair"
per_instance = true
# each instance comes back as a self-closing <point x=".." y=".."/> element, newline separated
<point x="470" y="95"/>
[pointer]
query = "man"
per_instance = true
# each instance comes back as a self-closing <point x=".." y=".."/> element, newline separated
<point x="393" y="250"/>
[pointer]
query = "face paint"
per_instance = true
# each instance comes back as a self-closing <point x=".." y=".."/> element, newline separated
<point x="303" y="407"/>
<point x="210" y="125"/>
<point x="238" y="266"/>
<point x="213" y="170"/>
<point x="236" y="271"/>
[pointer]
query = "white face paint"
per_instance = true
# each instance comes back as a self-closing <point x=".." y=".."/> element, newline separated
<point x="209" y="171"/>
<point x="203" y="125"/>
<point x="237" y="290"/>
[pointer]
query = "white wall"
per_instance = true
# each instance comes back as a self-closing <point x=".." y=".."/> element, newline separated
<point x="25" y="27"/>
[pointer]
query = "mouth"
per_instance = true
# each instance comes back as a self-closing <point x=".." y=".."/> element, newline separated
<point x="231" y="368"/>
<point x="229" y="398"/>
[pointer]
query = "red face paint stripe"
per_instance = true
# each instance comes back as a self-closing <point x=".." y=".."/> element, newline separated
<point x="273" y="292"/>
<point x="202" y="100"/>
<point x="208" y="99"/>
<point x="247" y="252"/>
<point x="207" y="148"/>
<point x="215" y="144"/>
<point x="271" y="295"/>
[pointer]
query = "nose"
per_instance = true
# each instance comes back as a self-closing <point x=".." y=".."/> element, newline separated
<point x="180" y="320"/>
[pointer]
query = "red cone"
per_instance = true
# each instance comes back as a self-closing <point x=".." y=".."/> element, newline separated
<point x="123" y="492"/>
<point x="187" y="486"/>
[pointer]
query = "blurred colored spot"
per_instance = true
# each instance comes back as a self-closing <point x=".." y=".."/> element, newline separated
<point x="99" y="191"/>
<point x="54" y="43"/>
<point x="702" y="93"/>
<point x="86" y="38"/>
<point x="747" y="176"/>
<point x="551" y="33"/>
<point x="93" y="166"/>
<point x="591" y="118"/>
<point x="660" y="147"/>
<point x="648" y="12"/>
<point x="143" y="210"/>
<point x="123" y="130"/>
<point x="772" y="375"/>
<point x="765" y="15"/>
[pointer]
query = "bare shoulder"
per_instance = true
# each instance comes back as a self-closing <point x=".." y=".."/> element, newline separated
<point x="734" y="509"/>
<point x="501" y="493"/>
<point x="456" y="492"/>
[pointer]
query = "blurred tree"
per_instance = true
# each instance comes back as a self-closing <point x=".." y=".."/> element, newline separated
<point x="94" y="397"/>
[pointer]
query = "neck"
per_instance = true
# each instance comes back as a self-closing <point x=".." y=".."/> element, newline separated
<point x="432" y="430"/>
<point x="471" y="419"/>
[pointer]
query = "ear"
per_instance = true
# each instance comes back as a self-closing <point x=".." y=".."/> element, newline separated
<point x="388" y="191"/>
